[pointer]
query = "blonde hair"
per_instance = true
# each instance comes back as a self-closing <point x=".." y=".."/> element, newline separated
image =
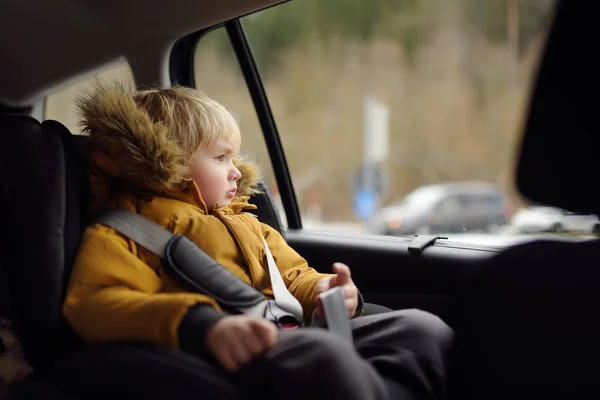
<point x="150" y="136"/>
<point x="192" y="119"/>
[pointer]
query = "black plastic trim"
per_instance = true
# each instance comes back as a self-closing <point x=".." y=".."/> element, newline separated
<point x="267" y="122"/>
<point x="420" y="242"/>
<point x="181" y="60"/>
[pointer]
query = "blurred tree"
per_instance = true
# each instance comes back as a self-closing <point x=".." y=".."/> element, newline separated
<point x="408" y="22"/>
<point x="274" y="30"/>
<point x="490" y="17"/>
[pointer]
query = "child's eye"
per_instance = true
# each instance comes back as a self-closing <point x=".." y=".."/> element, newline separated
<point x="220" y="158"/>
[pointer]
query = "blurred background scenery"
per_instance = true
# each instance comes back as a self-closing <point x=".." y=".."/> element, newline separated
<point x="396" y="116"/>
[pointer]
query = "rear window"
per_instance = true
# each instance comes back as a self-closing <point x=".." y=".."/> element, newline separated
<point x="60" y="104"/>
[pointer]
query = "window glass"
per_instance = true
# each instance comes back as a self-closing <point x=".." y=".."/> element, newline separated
<point x="382" y="105"/>
<point x="451" y="205"/>
<point x="60" y="104"/>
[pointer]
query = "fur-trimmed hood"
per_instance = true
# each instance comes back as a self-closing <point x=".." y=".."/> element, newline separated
<point x="130" y="151"/>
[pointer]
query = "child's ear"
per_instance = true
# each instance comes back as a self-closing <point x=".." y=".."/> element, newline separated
<point x="187" y="174"/>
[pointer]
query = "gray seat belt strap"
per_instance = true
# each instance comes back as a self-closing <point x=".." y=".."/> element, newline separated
<point x="141" y="230"/>
<point x="155" y="238"/>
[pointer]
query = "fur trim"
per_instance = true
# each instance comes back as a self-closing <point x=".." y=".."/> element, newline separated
<point x="141" y="152"/>
<point x="251" y="176"/>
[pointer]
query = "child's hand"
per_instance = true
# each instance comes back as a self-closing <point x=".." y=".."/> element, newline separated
<point x="342" y="279"/>
<point x="236" y="340"/>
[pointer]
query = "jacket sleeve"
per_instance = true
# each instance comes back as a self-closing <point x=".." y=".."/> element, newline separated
<point x="114" y="296"/>
<point x="300" y="279"/>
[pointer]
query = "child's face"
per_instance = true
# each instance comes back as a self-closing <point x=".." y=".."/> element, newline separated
<point x="214" y="173"/>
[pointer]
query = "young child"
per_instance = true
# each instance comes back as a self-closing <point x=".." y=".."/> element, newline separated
<point x="171" y="155"/>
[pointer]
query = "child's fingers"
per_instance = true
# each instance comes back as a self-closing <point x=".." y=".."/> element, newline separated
<point x="241" y="357"/>
<point x="351" y="305"/>
<point x="249" y="342"/>
<point x="244" y="339"/>
<point x="343" y="274"/>
<point x="231" y="353"/>
<point x="266" y="333"/>
<point x="253" y="344"/>
<point x="350" y="291"/>
<point x="226" y="360"/>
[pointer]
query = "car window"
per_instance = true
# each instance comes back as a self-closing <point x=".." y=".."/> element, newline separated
<point x="546" y="210"/>
<point x="376" y="99"/>
<point x="60" y="104"/>
<point x="422" y="197"/>
<point x="451" y="205"/>
<point x="483" y="203"/>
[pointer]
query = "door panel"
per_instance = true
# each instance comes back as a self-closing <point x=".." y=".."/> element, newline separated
<point x="387" y="274"/>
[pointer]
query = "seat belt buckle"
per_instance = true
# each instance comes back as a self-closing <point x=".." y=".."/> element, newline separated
<point x="287" y="324"/>
<point x="281" y="318"/>
<point x="336" y="313"/>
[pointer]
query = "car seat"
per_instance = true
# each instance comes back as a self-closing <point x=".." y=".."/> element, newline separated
<point x="44" y="193"/>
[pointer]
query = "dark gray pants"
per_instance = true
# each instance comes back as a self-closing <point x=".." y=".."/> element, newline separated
<point x="405" y="351"/>
<point x="396" y="355"/>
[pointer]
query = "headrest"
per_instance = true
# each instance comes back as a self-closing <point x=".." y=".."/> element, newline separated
<point x="559" y="164"/>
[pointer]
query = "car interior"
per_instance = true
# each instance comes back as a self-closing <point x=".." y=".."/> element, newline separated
<point x="524" y="316"/>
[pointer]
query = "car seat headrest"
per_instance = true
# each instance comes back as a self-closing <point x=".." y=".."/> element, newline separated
<point x="559" y="164"/>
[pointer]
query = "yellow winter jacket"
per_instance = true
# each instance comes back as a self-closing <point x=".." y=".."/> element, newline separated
<point x="119" y="291"/>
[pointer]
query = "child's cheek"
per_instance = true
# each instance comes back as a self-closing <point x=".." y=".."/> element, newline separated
<point x="215" y="187"/>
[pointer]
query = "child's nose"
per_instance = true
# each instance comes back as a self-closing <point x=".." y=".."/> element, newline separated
<point x="235" y="174"/>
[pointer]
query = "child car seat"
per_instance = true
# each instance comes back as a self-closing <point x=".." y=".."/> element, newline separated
<point x="44" y="193"/>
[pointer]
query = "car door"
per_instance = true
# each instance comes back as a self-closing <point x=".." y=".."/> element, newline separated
<point x="449" y="214"/>
<point x="483" y="210"/>
<point x="323" y="93"/>
<point x="577" y="222"/>
<point x="570" y="220"/>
